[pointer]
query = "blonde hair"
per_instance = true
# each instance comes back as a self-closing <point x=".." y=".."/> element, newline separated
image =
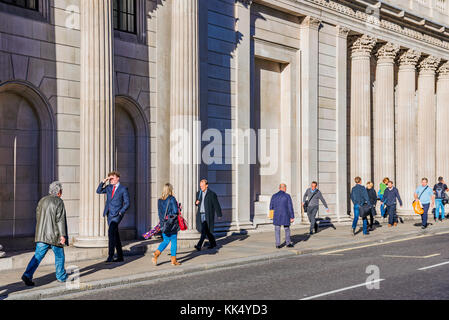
<point x="369" y="185"/>
<point x="167" y="191"/>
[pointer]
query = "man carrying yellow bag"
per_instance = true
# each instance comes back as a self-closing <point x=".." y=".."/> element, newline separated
<point x="423" y="196"/>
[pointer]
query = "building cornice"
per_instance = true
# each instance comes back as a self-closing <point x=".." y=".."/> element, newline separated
<point x="378" y="22"/>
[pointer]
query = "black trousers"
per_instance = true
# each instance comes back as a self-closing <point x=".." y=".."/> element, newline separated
<point x="205" y="232"/>
<point x="114" y="241"/>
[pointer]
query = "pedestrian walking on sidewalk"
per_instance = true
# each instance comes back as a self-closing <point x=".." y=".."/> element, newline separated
<point x="310" y="204"/>
<point x="168" y="220"/>
<point x="359" y="197"/>
<point x="283" y="214"/>
<point x="2" y="253"/>
<point x="51" y="232"/>
<point x="208" y="206"/>
<point x="391" y="194"/>
<point x="372" y="195"/>
<point x="440" y="198"/>
<point x="382" y="187"/>
<point x="425" y="195"/>
<point x="117" y="203"/>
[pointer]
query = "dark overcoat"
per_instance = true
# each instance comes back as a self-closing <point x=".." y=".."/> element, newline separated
<point x="282" y="205"/>
<point x="211" y="206"/>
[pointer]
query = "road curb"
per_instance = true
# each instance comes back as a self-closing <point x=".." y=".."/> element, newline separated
<point x="61" y="290"/>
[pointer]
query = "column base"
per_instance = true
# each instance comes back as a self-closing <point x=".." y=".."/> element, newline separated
<point x="91" y="242"/>
<point x="189" y="234"/>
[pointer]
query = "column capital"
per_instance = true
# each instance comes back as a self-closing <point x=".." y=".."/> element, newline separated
<point x="311" y="22"/>
<point x="343" y="31"/>
<point x="429" y="64"/>
<point x="388" y="51"/>
<point x="363" y="45"/>
<point x="444" y="69"/>
<point x="409" y="58"/>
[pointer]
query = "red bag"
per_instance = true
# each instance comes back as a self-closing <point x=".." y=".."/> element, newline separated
<point x="182" y="222"/>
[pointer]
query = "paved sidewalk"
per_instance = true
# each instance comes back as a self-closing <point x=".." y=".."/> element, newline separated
<point x="231" y="251"/>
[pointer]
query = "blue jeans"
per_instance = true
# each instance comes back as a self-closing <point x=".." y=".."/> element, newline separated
<point x="438" y="205"/>
<point x="392" y="217"/>
<point x="41" y="251"/>
<point x="166" y="240"/>
<point x="356" y="219"/>
<point x="382" y="207"/>
<point x="426" y="207"/>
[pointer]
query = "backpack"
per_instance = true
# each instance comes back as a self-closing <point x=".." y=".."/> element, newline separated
<point x="439" y="191"/>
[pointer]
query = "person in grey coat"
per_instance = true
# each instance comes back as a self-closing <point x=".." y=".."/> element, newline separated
<point x="282" y="205"/>
<point x="312" y="196"/>
<point x="51" y="232"/>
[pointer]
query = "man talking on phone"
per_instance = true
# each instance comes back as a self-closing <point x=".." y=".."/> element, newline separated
<point x="117" y="202"/>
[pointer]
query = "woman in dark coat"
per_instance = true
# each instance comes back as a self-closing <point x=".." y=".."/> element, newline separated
<point x="168" y="217"/>
<point x="372" y="195"/>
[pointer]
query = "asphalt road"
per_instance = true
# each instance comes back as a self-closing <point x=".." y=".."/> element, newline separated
<point x="392" y="269"/>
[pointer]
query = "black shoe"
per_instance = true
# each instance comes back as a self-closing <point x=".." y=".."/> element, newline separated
<point x="211" y="246"/>
<point x="311" y="233"/>
<point x="109" y="259"/>
<point x="290" y="245"/>
<point x="316" y="227"/>
<point x="278" y="247"/>
<point x="118" y="260"/>
<point x="400" y="219"/>
<point x="27" y="281"/>
<point x="197" y="247"/>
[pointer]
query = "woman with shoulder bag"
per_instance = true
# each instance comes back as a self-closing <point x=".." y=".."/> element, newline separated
<point x="168" y="217"/>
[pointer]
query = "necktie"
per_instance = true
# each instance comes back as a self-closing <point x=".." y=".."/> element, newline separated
<point x="113" y="190"/>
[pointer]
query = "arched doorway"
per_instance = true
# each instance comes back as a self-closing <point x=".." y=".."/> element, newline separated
<point x="26" y="156"/>
<point x="132" y="161"/>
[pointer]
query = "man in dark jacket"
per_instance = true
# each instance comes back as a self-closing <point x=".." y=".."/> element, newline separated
<point x="283" y="215"/>
<point x="51" y="232"/>
<point x="389" y="198"/>
<point x="117" y="202"/>
<point x="359" y="197"/>
<point x="208" y="205"/>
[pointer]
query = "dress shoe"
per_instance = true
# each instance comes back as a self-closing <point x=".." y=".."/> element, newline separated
<point x="118" y="260"/>
<point x="311" y="232"/>
<point x="198" y="248"/>
<point x="211" y="246"/>
<point x="290" y="245"/>
<point x="278" y="247"/>
<point x="109" y="259"/>
<point x="27" y="281"/>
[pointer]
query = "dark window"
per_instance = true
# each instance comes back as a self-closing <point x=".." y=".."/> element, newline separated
<point x="125" y="15"/>
<point x="29" y="4"/>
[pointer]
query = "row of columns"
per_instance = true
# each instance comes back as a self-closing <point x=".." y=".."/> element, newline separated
<point x="97" y="112"/>
<point x="404" y="136"/>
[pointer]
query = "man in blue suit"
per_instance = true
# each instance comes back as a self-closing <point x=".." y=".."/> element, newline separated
<point x="283" y="215"/>
<point x="117" y="202"/>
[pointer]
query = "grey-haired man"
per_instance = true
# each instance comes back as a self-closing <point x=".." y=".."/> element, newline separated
<point x="51" y="232"/>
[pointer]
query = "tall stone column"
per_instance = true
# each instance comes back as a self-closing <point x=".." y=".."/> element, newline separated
<point x="361" y="107"/>
<point x="97" y="117"/>
<point x="341" y="116"/>
<point x="426" y="118"/>
<point x="383" y="114"/>
<point x="442" y="121"/>
<point x="185" y="138"/>
<point x="406" y="177"/>
<point x="309" y="101"/>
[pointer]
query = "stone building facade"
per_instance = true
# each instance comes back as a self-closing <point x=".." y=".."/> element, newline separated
<point x="341" y="88"/>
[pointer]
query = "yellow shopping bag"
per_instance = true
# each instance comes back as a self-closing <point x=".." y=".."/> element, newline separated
<point x="271" y="214"/>
<point x="417" y="207"/>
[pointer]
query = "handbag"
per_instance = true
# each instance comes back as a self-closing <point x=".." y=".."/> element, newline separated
<point x="181" y="221"/>
<point x="271" y="214"/>
<point x="365" y="210"/>
<point x="417" y="207"/>
<point x="306" y="203"/>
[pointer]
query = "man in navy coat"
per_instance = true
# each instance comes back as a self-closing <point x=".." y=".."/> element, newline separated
<point x="117" y="202"/>
<point x="282" y="205"/>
